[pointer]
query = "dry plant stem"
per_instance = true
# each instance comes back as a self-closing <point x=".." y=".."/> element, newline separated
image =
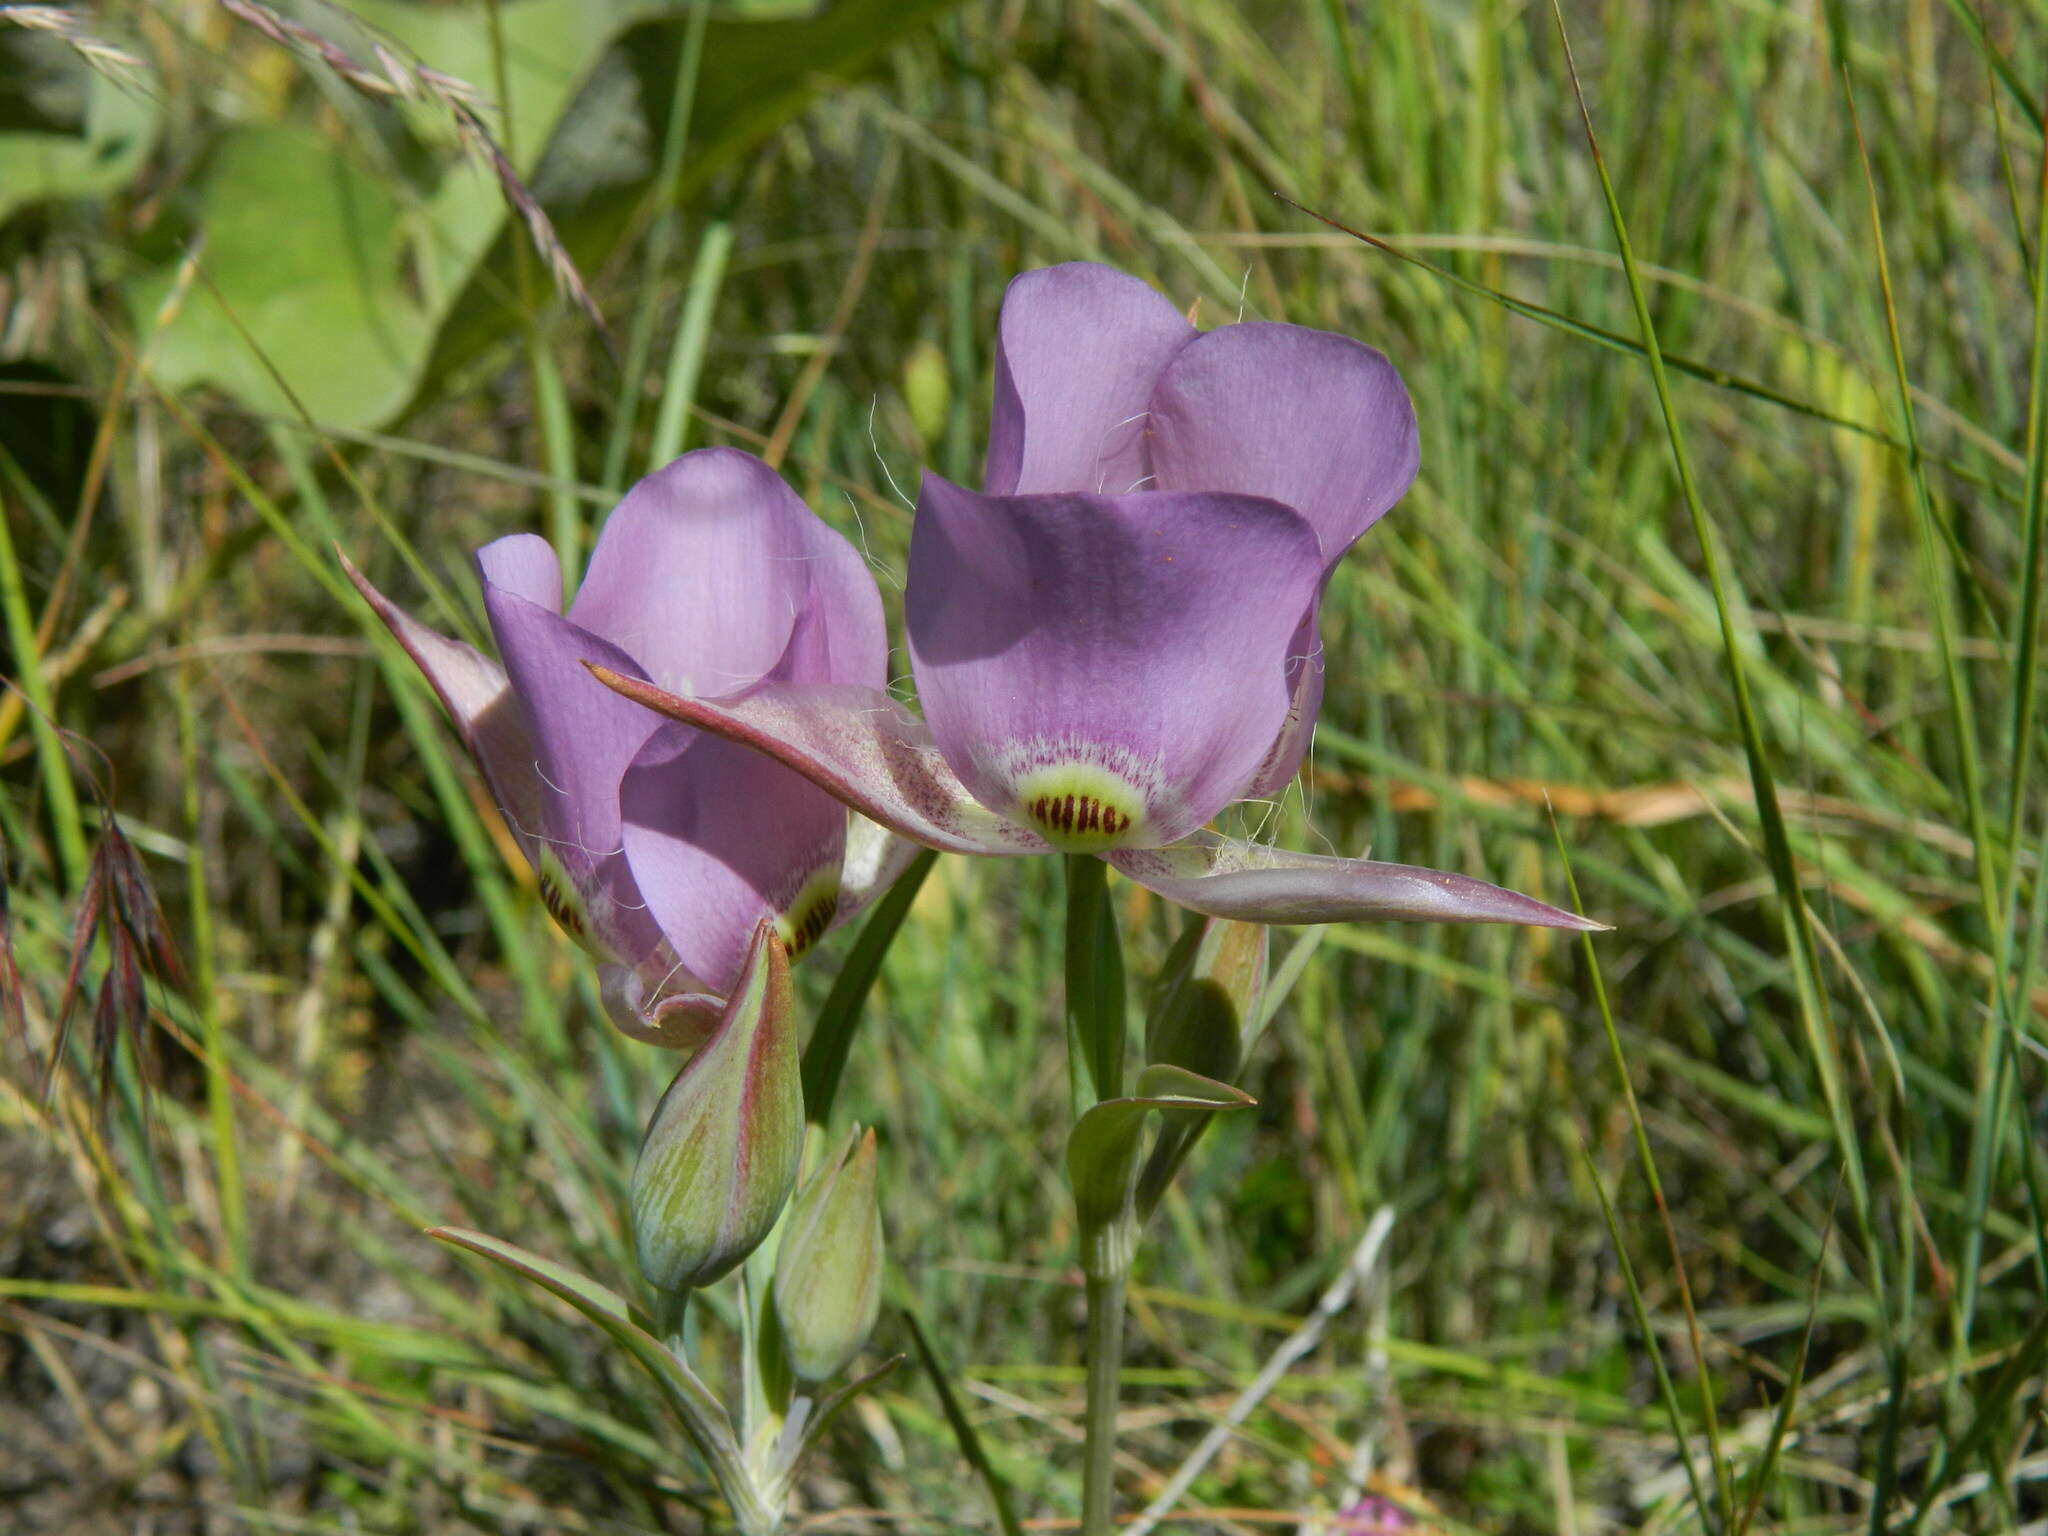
<point x="1365" y="1258"/>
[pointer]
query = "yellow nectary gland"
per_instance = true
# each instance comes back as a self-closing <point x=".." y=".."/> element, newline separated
<point x="805" y="919"/>
<point x="1079" y="807"/>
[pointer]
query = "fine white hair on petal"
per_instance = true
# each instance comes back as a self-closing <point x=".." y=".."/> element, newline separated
<point x="1102" y="450"/>
<point x="877" y="449"/>
<point x="860" y="527"/>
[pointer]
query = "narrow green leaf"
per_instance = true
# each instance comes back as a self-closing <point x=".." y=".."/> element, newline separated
<point x="626" y="1325"/>
<point x="839" y="1019"/>
<point x="963" y="1427"/>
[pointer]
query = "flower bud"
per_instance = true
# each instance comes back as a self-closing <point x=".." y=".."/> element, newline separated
<point x="1208" y="1007"/>
<point x="723" y="1149"/>
<point x="1212" y="993"/>
<point x="828" y="1272"/>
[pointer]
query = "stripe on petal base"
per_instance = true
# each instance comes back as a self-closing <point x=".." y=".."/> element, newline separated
<point x="1226" y="877"/>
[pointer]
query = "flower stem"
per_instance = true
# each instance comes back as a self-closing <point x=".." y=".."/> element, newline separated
<point x="1095" y="984"/>
<point x="1105" y="1367"/>
<point x="1095" y="1045"/>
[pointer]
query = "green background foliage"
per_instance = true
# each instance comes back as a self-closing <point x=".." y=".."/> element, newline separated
<point x="248" y="309"/>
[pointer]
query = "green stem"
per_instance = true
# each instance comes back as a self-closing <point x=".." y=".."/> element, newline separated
<point x="750" y="1513"/>
<point x="1095" y="985"/>
<point x="1105" y="1370"/>
<point x="1095" y="1046"/>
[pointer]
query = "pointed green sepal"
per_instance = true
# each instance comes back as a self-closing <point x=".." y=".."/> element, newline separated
<point x="805" y="1428"/>
<point x="722" y="1151"/>
<point x="1103" y="1153"/>
<point x="828" y="1270"/>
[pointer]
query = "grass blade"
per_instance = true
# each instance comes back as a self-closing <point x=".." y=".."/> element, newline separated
<point x="963" y="1427"/>
<point x="1803" y="951"/>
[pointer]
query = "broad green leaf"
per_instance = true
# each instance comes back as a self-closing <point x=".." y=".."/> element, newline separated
<point x="306" y="249"/>
<point x="44" y="85"/>
<point x="348" y="288"/>
<point x="756" y="73"/>
<point x="65" y="131"/>
<point x="323" y="270"/>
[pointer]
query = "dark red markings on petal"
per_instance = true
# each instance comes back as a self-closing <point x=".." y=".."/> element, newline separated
<point x="561" y="907"/>
<point x="1076" y="814"/>
<point x="808" y="926"/>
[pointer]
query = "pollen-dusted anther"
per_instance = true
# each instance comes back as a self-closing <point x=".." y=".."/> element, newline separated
<point x="1080" y="807"/>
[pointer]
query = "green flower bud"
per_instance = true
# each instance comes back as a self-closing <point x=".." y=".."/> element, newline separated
<point x="1206" y="1015"/>
<point x="828" y="1271"/>
<point x="1208" y="1006"/>
<point x="723" y="1149"/>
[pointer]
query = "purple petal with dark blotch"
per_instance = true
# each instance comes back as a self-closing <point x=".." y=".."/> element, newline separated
<point x="584" y="738"/>
<point x="702" y="570"/>
<point x="718" y="838"/>
<point x="1137" y="640"/>
<point x="1226" y="877"/>
<point x="1310" y="418"/>
<point x="859" y="746"/>
<point x="474" y="690"/>
<point x="1078" y="350"/>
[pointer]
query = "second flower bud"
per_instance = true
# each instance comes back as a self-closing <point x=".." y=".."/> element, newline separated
<point x="726" y="1142"/>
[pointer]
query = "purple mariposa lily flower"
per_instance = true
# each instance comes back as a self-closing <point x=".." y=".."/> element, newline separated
<point x="658" y="847"/>
<point x="1116" y="639"/>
